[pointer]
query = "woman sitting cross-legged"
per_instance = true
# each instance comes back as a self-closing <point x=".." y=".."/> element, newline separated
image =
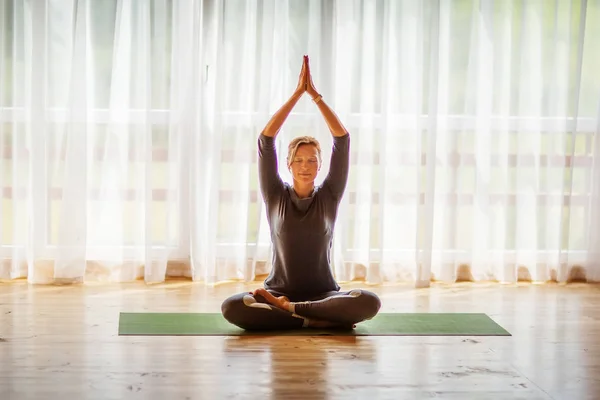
<point x="301" y="291"/>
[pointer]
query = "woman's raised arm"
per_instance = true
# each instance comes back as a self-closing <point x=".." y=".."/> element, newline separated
<point x="268" y="175"/>
<point x="339" y="165"/>
<point x="333" y="122"/>
<point x="276" y="122"/>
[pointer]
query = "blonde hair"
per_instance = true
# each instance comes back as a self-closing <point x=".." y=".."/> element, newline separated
<point x="299" y="141"/>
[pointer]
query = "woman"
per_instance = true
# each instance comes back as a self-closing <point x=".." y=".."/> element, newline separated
<point x="301" y="290"/>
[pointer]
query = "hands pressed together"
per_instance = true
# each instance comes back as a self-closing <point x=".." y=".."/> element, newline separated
<point x="305" y="83"/>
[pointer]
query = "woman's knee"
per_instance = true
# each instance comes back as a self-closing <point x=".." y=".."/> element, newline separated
<point x="244" y="311"/>
<point x="370" y="303"/>
<point x="232" y="308"/>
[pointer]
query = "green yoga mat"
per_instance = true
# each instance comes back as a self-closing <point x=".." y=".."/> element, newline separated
<point x="213" y="324"/>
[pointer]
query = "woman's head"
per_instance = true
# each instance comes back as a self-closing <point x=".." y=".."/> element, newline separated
<point x="304" y="158"/>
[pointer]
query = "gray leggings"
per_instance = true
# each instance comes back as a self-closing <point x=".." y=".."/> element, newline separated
<point x="345" y="308"/>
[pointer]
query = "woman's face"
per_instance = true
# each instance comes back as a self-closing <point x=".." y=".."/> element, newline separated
<point x="305" y="164"/>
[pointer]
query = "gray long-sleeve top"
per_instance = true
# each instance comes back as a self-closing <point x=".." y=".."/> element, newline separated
<point x="302" y="229"/>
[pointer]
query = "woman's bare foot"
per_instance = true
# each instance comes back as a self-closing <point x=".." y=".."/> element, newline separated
<point x="284" y="303"/>
<point x="279" y="302"/>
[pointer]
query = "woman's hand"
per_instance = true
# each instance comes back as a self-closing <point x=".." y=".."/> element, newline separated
<point x="302" y="79"/>
<point x="310" y="86"/>
<point x="305" y="83"/>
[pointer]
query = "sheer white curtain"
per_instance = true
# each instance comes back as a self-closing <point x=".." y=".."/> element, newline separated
<point x="128" y="136"/>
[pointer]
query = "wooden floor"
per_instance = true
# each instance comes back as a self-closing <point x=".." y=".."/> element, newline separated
<point x="62" y="341"/>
